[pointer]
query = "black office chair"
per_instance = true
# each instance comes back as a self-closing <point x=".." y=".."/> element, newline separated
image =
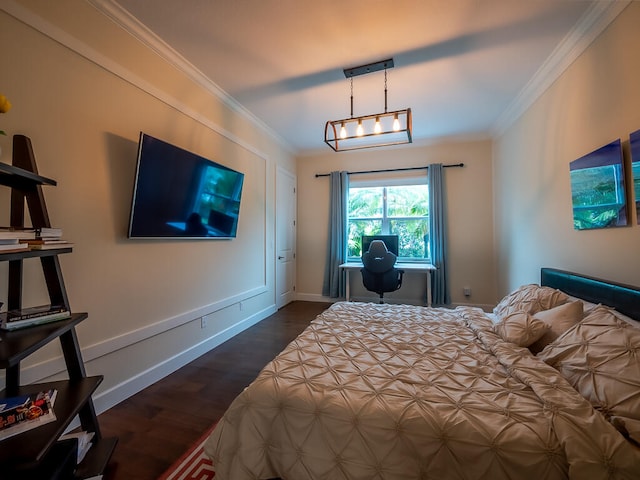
<point x="378" y="273"/>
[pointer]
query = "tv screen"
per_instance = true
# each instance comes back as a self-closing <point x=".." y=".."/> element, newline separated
<point x="178" y="194"/>
<point x="391" y="241"/>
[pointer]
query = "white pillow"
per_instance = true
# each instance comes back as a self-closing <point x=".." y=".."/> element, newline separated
<point x="560" y="319"/>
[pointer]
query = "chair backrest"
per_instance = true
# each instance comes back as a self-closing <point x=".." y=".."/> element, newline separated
<point x="378" y="259"/>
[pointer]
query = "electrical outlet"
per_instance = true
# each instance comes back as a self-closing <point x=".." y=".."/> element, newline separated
<point x="466" y="291"/>
<point x="203" y="322"/>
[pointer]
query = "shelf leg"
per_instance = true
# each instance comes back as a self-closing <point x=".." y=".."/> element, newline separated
<point x="75" y="367"/>
<point x="12" y="380"/>
<point x="55" y="281"/>
<point x="72" y="354"/>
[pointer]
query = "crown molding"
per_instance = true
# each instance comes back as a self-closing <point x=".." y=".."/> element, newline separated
<point x="58" y="35"/>
<point x="592" y="23"/>
<point x="138" y="30"/>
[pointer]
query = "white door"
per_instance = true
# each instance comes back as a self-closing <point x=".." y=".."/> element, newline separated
<point x="285" y="237"/>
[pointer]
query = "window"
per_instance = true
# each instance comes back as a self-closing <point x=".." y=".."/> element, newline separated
<point x="401" y="210"/>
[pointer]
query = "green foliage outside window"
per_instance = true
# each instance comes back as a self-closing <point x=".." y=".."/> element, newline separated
<point x="397" y="210"/>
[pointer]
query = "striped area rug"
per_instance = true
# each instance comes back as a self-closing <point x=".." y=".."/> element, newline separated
<point x="193" y="465"/>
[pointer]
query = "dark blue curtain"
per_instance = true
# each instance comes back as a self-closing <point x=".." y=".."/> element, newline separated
<point x="438" y="235"/>
<point x="334" y="279"/>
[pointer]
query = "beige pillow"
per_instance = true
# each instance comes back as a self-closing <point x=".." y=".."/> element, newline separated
<point x="531" y="299"/>
<point x="600" y="357"/>
<point x="520" y="328"/>
<point x="560" y="319"/>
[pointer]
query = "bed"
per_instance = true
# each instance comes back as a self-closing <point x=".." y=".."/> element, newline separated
<point x="547" y="386"/>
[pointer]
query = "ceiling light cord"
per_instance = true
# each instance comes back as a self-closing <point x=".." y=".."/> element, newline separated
<point x="343" y="128"/>
<point x="377" y="128"/>
<point x="351" y="97"/>
<point x="385" y="90"/>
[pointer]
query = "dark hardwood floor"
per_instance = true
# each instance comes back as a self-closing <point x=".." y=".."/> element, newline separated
<point x="160" y="423"/>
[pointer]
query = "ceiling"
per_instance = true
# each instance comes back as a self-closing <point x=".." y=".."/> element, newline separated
<point x="460" y="65"/>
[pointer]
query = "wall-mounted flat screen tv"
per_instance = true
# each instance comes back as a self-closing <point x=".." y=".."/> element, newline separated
<point x="178" y="194"/>
<point x="597" y="188"/>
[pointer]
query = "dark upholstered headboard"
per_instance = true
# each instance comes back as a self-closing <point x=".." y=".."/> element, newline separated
<point x="624" y="298"/>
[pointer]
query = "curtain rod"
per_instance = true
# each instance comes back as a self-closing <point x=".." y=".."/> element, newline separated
<point x="391" y="170"/>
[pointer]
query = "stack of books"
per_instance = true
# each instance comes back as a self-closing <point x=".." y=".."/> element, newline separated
<point x="48" y="238"/>
<point x="15" y="240"/>
<point x="24" y="413"/>
<point x="30" y="316"/>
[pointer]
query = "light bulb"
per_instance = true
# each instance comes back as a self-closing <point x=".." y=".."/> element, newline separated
<point x="377" y="128"/>
<point x="359" y="130"/>
<point x="343" y="131"/>
<point x="396" y="123"/>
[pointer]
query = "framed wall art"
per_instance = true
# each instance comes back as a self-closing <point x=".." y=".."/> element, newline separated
<point x="634" y="142"/>
<point x="598" y="188"/>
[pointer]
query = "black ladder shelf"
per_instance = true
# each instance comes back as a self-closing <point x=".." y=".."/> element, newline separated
<point x="37" y="453"/>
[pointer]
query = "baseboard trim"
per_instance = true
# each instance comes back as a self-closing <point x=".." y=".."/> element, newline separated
<point x="116" y="394"/>
<point x="33" y="373"/>
<point x="314" y="297"/>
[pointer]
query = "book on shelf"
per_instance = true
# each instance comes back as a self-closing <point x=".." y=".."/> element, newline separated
<point x="48" y="232"/>
<point x="30" y="316"/>
<point x="46" y="241"/>
<point x="23" y="413"/>
<point x="31" y="312"/>
<point x="50" y="245"/>
<point x="17" y="232"/>
<point x="25" y="233"/>
<point x="32" y="322"/>
<point x="13" y="247"/>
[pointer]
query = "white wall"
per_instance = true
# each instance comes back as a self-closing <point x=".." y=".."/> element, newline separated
<point x="469" y="196"/>
<point x="82" y="89"/>
<point x="594" y="102"/>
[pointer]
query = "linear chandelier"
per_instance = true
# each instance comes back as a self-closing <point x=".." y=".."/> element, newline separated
<point x="367" y="131"/>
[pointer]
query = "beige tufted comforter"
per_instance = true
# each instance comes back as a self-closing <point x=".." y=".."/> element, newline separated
<point x="373" y="391"/>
